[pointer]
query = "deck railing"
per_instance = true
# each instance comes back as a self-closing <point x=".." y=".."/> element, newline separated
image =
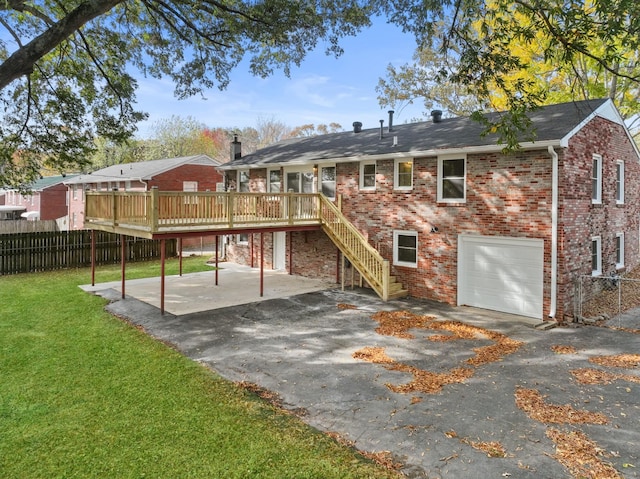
<point x="157" y="212"/>
<point x="166" y="211"/>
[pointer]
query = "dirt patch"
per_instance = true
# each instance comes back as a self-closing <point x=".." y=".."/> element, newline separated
<point x="534" y="405"/>
<point x="398" y="324"/>
<point x="373" y="355"/>
<point x="581" y="455"/>
<point x="628" y="361"/>
<point x="596" y="376"/>
<point x="347" y="306"/>
<point x="610" y="301"/>
<point x="560" y="349"/>
<point x="492" y="448"/>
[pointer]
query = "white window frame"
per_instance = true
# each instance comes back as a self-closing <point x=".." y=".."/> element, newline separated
<point x="242" y="241"/>
<point x="596" y="180"/>
<point x="396" y="235"/>
<point x="363" y="164"/>
<point x="190" y="187"/>
<point x="239" y="185"/>
<point x="335" y="180"/>
<point x="396" y="174"/>
<point x="619" y="250"/>
<point x="597" y="241"/>
<point x="440" y="192"/>
<point x="619" y="182"/>
<point x="269" y="184"/>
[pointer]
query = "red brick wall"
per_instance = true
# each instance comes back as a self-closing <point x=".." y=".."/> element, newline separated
<point x="582" y="220"/>
<point x="206" y="176"/>
<point x="53" y="202"/>
<point x="507" y="195"/>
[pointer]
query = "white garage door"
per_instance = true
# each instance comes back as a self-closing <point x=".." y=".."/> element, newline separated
<point x="500" y="273"/>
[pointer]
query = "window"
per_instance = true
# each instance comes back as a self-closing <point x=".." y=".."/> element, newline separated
<point x="275" y="181"/>
<point x="620" y="182"/>
<point x="243" y="238"/>
<point x="620" y="250"/>
<point x="596" y="256"/>
<point x="328" y="181"/>
<point x="596" y="180"/>
<point x="368" y="175"/>
<point x="243" y="181"/>
<point x="452" y="179"/>
<point x="403" y="175"/>
<point x="190" y="187"/>
<point x="405" y="248"/>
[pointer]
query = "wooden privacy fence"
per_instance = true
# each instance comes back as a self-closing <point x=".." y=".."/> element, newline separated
<point x="51" y="250"/>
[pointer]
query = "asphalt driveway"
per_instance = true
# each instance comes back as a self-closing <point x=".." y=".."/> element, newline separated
<point x="520" y="411"/>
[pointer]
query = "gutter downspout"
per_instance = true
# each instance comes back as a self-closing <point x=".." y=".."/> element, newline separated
<point x="554" y="231"/>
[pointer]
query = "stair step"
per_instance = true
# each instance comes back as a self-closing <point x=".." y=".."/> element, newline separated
<point x="402" y="293"/>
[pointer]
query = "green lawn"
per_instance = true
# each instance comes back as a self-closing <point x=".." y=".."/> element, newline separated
<point x="83" y="394"/>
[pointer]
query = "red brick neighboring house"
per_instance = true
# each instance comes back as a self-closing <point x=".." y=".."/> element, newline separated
<point x="188" y="173"/>
<point x="47" y="201"/>
<point x="459" y="220"/>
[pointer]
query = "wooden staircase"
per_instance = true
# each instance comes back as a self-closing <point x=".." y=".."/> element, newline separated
<point x="373" y="268"/>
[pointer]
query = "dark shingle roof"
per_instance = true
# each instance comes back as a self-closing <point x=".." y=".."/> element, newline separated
<point x="551" y="123"/>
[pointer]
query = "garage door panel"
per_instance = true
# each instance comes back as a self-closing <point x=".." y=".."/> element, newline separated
<point x="500" y="273"/>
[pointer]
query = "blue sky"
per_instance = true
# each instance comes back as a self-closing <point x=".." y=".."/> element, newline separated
<point x="322" y="90"/>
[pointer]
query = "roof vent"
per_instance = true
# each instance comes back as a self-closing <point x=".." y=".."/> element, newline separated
<point x="391" y="120"/>
<point x="357" y="127"/>
<point x="436" y="115"/>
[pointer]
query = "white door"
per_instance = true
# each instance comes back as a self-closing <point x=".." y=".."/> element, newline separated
<point x="279" y="250"/>
<point x="300" y="181"/>
<point x="500" y="273"/>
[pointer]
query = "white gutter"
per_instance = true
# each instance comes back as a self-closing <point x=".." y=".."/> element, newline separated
<point x="554" y="231"/>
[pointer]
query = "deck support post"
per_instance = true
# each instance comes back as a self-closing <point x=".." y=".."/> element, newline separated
<point x="123" y="252"/>
<point x="342" y="273"/>
<point x="93" y="257"/>
<point x="217" y="244"/>
<point x="251" y="252"/>
<point x="261" y="264"/>
<point x="338" y="255"/>
<point x="162" y="259"/>
<point x="290" y="252"/>
<point x="180" y="255"/>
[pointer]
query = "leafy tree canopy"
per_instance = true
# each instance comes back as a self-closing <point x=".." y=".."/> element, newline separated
<point x="64" y="71"/>
<point x="65" y="78"/>
<point x="516" y="55"/>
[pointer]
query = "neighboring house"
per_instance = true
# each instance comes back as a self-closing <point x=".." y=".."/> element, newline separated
<point x="188" y="173"/>
<point x="47" y="200"/>
<point x="460" y="221"/>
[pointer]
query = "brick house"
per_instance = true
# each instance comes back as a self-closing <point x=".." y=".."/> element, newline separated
<point x="47" y="200"/>
<point x="189" y="173"/>
<point x="461" y="221"/>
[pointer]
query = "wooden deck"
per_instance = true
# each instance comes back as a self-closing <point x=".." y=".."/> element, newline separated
<point x="153" y="213"/>
<point x="157" y="214"/>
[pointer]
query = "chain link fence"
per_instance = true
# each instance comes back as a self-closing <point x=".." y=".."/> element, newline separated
<point x="605" y="297"/>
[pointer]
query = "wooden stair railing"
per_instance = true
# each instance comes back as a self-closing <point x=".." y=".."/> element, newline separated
<point x="355" y="247"/>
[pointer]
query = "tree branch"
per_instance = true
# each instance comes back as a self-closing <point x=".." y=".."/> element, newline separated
<point x="21" y="62"/>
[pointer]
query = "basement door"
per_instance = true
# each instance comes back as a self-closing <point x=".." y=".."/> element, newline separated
<point x="279" y="250"/>
<point x="501" y="273"/>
